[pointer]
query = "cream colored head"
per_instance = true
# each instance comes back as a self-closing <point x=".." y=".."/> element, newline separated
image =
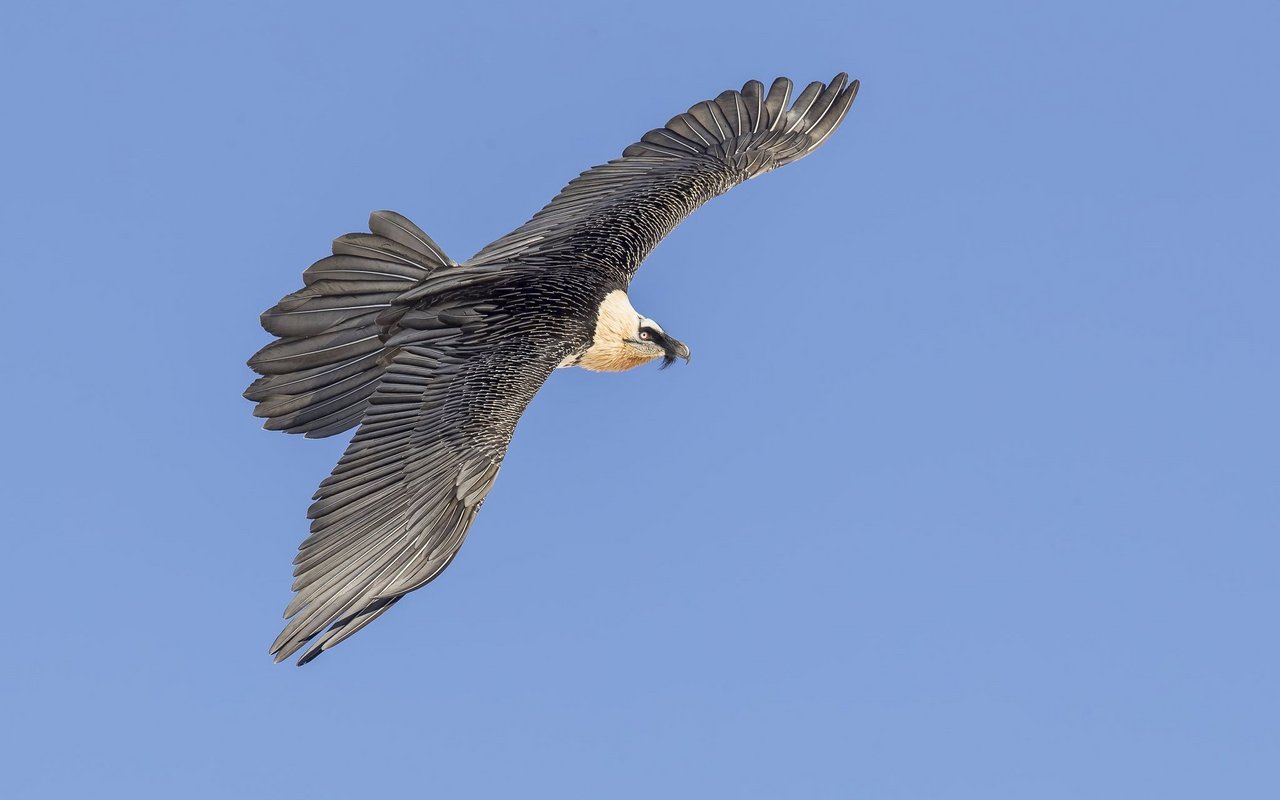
<point x="624" y="339"/>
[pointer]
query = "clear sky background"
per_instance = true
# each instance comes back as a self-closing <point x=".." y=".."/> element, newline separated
<point x="970" y="490"/>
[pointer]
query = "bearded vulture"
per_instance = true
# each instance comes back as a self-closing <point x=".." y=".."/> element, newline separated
<point x="436" y="360"/>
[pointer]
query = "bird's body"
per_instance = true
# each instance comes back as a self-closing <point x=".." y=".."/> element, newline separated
<point x="436" y="360"/>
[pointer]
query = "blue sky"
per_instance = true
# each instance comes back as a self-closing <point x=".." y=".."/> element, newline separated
<point x="969" y="491"/>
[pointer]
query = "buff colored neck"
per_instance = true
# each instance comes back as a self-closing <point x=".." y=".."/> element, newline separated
<point x="617" y="324"/>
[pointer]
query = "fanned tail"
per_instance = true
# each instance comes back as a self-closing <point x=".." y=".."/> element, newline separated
<point x="317" y="377"/>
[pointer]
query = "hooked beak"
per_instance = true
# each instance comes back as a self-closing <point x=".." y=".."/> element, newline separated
<point x="671" y="350"/>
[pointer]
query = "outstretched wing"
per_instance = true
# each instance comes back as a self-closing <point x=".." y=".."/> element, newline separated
<point x="395" y="510"/>
<point x="614" y="214"/>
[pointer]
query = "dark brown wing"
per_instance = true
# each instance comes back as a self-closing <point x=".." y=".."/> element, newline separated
<point x="396" y="508"/>
<point x="614" y="214"/>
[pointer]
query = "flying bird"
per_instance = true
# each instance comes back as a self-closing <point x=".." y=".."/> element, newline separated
<point x="436" y="360"/>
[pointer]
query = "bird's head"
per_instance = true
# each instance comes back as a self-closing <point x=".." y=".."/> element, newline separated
<point x="651" y="341"/>
<point x="624" y="339"/>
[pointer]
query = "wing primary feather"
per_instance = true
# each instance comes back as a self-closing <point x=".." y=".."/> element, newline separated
<point x="688" y="127"/>
<point x="802" y="105"/>
<point x="752" y="95"/>
<point x="826" y="99"/>
<point x="343" y="629"/>
<point x="832" y="119"/>
<point x="776" y="102"/>
<point x="730" y="105"/>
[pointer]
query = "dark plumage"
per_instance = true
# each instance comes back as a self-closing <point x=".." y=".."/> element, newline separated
<point x="436" y="360"/>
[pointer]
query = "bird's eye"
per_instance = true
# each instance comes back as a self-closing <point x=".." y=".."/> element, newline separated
<point x="645" y="335"/>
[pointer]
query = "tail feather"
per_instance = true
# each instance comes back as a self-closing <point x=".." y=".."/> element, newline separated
<point x="329" y="305"/>
<point x="317" y="377"/>
<point x="392" y="226"/>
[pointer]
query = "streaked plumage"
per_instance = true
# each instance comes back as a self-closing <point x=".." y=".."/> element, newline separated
<point x="436" y="360"/>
